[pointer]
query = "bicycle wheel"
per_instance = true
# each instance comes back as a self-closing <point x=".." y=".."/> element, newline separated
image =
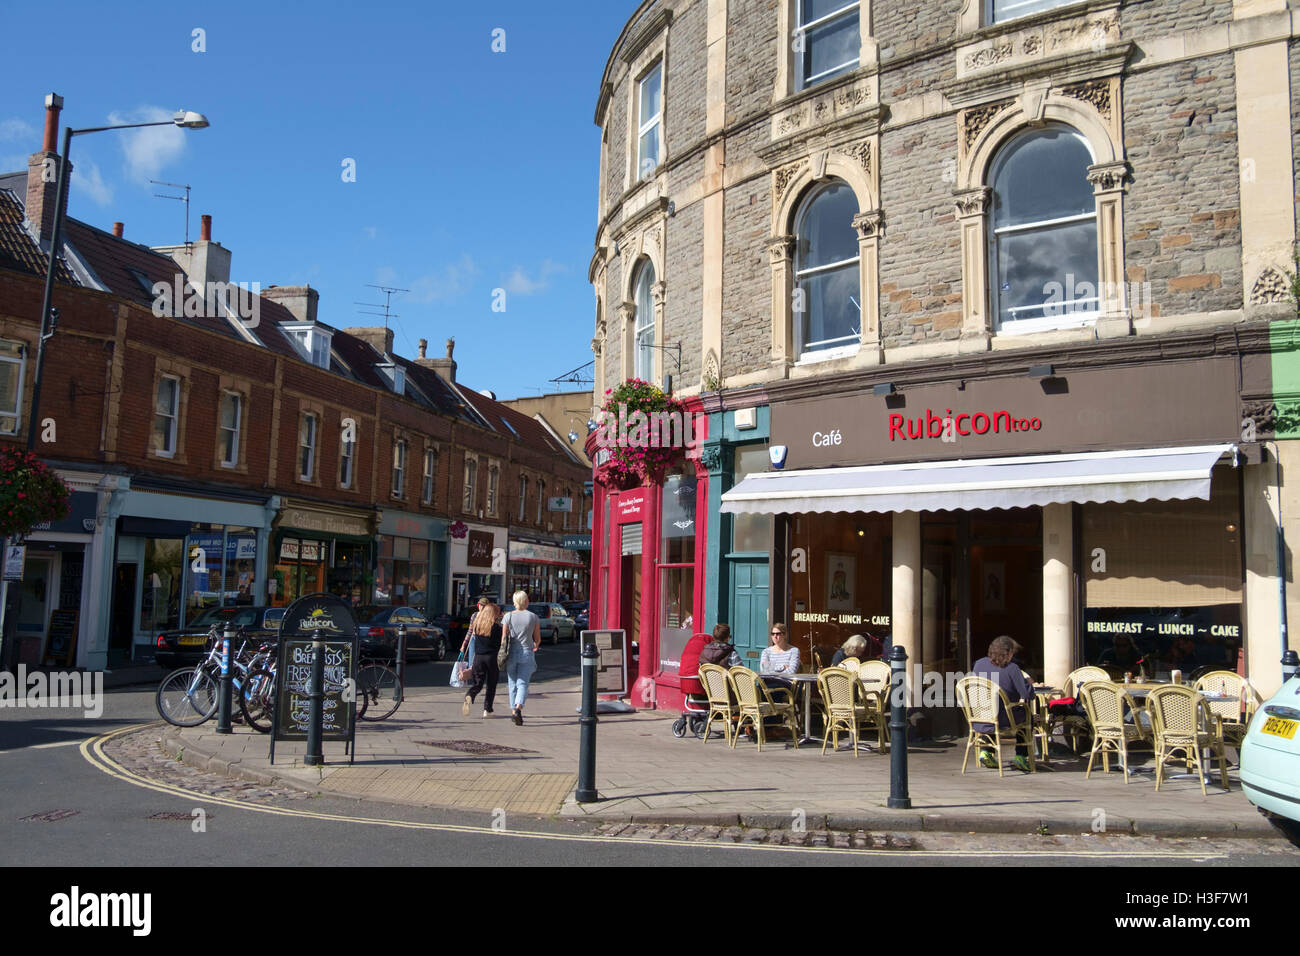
<point x="257" y="701"/>
<point x="380" y="686"/>
<point x="187" y="697"/>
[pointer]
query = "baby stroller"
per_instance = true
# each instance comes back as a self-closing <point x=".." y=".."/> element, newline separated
<point x="696" y="706"/>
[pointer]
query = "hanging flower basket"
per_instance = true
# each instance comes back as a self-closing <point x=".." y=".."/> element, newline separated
<point x="30" y="492"/>
<point x="642" y="430"/>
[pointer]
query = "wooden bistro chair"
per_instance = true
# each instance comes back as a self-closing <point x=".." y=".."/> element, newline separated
<point x="756" y="702"/>
<point x="1181" y="720"/>
<point x="979" y="699"/>
<point x="1105" y="703"/>
<point x="1235" y="715"/>
<point x="717" y="685"/>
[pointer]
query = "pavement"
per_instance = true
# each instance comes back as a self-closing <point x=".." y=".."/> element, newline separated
<point x="428" y="755"/>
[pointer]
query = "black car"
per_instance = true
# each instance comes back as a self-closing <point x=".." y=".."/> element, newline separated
<point x="578" y="611"/>
<point x="378" y="626"/>
<point x="185" y="647"/>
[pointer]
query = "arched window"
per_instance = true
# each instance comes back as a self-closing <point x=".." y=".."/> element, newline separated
<point x="645" y="324"/>
<point x="827" y="311"/>
<point x="1043" y="232"/>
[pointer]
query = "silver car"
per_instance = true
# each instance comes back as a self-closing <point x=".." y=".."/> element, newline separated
<point x="555" y="622"/>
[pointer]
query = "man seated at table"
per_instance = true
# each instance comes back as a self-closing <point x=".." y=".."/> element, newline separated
<point x="999" y="666"/>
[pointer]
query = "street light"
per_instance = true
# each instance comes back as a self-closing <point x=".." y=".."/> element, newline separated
<point x="184" y="119"/>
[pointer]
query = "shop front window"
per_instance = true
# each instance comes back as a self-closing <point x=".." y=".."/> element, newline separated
<point x="220" y="567"/>
<point x="676" y="570"/>
<point x="1162" y="583"/>
<point x="300" y="569"/>
<point x="403" y="573"/>
<point x="750" y="533"/>
<point x="160" y="603"/>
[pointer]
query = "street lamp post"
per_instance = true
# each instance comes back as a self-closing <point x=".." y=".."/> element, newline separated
<point x="185" y="119"/>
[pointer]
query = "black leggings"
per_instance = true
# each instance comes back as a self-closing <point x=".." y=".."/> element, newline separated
<point x="485" y="671"/>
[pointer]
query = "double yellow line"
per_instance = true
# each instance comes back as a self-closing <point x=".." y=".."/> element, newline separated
<point x="93" y="750"/>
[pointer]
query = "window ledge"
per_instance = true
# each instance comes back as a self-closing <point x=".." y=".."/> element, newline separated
<point x="1054" y="324"/>
<point x="827" y="355"/>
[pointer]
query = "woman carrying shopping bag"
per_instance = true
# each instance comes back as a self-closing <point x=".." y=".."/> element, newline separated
<point x="521" y="635"/>
<point x="484" y="640"/>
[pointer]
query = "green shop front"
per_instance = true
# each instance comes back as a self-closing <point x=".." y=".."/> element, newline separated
<point x="412" y="562"/>
<point x="322" y="548"/>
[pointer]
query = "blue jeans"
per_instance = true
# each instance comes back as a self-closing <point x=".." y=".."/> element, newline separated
<point x="519" y="670"/>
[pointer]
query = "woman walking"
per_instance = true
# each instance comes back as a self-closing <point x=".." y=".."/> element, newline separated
<point x="485" y="632"/>
<point x="522" y="634"/>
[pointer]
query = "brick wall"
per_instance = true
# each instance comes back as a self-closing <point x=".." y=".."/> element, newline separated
<point x="1182" y="215"/>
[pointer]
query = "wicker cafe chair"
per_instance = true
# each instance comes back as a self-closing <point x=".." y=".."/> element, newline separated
<point x="717" y="685"/>
<point x="756" y="702"/>
<point x="1179" y="717"/>
<point x="1104" y="703"/>
<point x="1235" y="714"/>
<point x="1073" y="725"/>
<point x="979" y="699"/>
<point x="849" y="664"/>
<point x="848" y="706"/>
<point x="876" y="676"/>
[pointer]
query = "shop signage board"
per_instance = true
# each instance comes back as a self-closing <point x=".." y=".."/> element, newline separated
<point x="611" y="667"/>
<point x="479" y="554"/>
<point x="1085" y="410"/>
<point x="81" y="510"/>
<point x="1214" y="630"/>
<point x="304" y="519"/>
<point x="559" y="504"/>
<point x="630" y="506"/>
<point x="529" y="551"/>
<point x="329" y="615"/>
<point x="15" y="558"/>
<point x="578" y="542"/>
<point x="61" y="639"/>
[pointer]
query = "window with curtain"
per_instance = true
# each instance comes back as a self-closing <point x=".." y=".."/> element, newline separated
<point x="307" y="447"/>
<point x="827" y="306"/>
<point x="399" y="467"/>
<point x="471" y="482"/>
<point x="166" y="412"/>
<point x="827" y="41"/>
<point x="645" y="324"/>
<point x="231" y="408"/>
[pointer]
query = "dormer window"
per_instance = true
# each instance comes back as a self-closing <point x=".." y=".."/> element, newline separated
<point x="312" y="341"/>
<point x="395" y="375"/>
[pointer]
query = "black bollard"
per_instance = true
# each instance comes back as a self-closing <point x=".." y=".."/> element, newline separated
<point x="401" y="660"/>
<point x="898" y="798"/>
<point x="586" y="792"/>
<point x="315" y="756"/>
<point x="223" y="685"/>
<point x="1290" y="665"/>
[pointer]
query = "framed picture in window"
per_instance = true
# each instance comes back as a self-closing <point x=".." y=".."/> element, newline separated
<point x="841" y="581"/>
<point x="994" y="589"/>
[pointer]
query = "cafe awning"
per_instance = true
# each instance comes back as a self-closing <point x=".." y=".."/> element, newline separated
<point x="1133" y="475"/>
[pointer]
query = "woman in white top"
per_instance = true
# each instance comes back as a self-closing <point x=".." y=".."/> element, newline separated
<point x="779" y="659"/>
<point x="522" y="630"/>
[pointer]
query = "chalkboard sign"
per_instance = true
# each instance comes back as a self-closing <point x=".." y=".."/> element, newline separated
<point x="328" y="616"/>
<point x="61" y="639"/>
<point x="611" y="666"/>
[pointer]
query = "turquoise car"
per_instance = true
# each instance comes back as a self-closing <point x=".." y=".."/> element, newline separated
<point x="1270" y="756"/>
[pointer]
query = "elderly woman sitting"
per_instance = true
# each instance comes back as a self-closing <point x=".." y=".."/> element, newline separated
<point x="999" y="667"/>
<point x="855" y="646"/>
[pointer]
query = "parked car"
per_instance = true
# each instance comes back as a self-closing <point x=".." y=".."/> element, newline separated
<point x="378" y="625"/>
<point x="578" y="611"/>
<point x="1270" y="757"/>
<point x="185" y="647"/>
<point x="555" y="622"/>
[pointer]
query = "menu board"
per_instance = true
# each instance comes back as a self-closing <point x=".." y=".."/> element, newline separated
<point x="327" y="617"/>
<point x="611" y="665"/>
<point x="61" y="639"/>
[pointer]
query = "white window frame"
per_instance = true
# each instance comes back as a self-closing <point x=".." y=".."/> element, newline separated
<point x="173" y="416"/>
<point x="308" y="447"/>
<point x="494" y="486"/>
<point x="430" y="474"/>
<point x="850" y="343"/>
<point x="233" y="461"/>
<point x="801" y="28"/>
<point x="644" y="325"/>
<point x="523" y="498"/>
<point x="654" y="122"/>
<point x="399" y="467"/>
<point x="11" y="421"/>
<point x="470" y="496"/>
<point x="313" y="342"/>
<point x="991" y="20"/>
<point x="541" y="500"/>
<point x="347" y="461"/>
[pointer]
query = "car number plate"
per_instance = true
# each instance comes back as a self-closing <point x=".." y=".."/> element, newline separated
<point x="1280" y="728"/>
<point x="192" y="639"/>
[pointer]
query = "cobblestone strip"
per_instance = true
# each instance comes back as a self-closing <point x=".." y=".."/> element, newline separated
<point x="839" y="840"/>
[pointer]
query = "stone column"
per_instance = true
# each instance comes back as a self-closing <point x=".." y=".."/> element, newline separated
<point x="780" y="250"/>
<point x="627" y="333"/>
<point x="1058" y="592"/>
<point x="976" y="324"/>
<point x="1109" y="184"/>
<point x="869" y="227"/>
<point x="905" y="612"/>
<point x="659" y="358"/>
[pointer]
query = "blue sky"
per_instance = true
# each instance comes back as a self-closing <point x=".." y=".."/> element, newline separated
<point x="475" y="170"/>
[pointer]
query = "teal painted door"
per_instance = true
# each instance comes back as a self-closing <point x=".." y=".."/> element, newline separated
<point x="749" y="609"/>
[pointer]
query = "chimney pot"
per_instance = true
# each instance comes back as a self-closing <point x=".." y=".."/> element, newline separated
<point x="53" y="107"/>
<point x="424" y="344"/>
<point x="118" y="229"/>
<point x="451" y="347"/>
<point x="205" y="228"/>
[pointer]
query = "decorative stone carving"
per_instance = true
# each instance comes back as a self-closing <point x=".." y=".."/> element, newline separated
<point x="657" y="292"/>
<point x="790" y="121"/>
<point x="859" y="152"/>
<point x="868" y="224"/>
<point x="1096" y="32"/>
<point x="1109" y="177"/>
<point x="1096" y="93"/>
<point x="781" y="249"/>
<point x="782" y="177"/>
<point x="1265" y="414"/>
<point x="989" y="56"/>
<point x="973" y="202"/>
<point x="1031" y="45"/>
<point x="627" y="311"/>
<point x="712" y="379"/>
<point x="1271" y="286"/>
<point x="711" y="457"/>
<point x="596" y="345"/>
<point x="975" y="120"/>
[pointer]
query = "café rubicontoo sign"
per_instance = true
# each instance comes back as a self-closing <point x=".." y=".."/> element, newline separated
<point x="1086" y="410"/>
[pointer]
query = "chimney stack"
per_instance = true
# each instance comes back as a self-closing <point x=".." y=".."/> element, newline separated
<point x="301" y="300"/>
<point x="205" y="228"/>
<point x="379" y="339"/>
<point x="444" y="368"/>
<point x="43" y="173"/>
<point x="118" y="228"/>
<point x="424" y="344"/>
<point x="203" y="261"/>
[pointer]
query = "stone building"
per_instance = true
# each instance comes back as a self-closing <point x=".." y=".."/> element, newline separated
<point x="993" y="283"/>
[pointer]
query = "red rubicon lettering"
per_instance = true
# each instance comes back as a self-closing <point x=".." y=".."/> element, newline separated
<point x="960" y="429"/>
<point x="999" y="418"/>
<point x="975" y="422"/>
<point x="896" y="427"/>
<point x="931" y="419"/>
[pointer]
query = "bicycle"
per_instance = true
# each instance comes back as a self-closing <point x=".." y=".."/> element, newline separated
<point x="379" y="690"/>
<point x="189" y="696"/>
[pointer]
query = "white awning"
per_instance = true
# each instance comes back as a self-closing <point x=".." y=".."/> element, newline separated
<point x="1136" y="475"/>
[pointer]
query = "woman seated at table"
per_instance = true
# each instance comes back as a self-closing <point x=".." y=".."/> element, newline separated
<point x="779" y="659"/>
<point x="999" y="667"/>
<point x="862" y="646"/>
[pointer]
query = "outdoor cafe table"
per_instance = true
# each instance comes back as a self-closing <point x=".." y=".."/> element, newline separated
<point x="808" y="680"/>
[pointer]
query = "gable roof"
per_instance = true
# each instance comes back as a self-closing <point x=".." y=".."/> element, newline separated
<point x="18" y="250"/>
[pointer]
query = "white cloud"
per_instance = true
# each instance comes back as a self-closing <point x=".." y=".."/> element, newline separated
<point x="446" y="283"/>
<point x="19" y="131"/>
<point x="370" y="231"/>
<point x="385" y="275"/>
<point x="519" y="283"/>
<point x="149" y="151"/>
<point x="89" y="181"/>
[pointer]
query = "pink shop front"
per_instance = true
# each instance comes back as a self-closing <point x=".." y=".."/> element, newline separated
<point x="647" y="574"/>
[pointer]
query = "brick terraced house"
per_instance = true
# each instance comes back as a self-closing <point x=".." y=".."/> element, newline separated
<point x="237" y="449"/>
<point x="977" y="295"/>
